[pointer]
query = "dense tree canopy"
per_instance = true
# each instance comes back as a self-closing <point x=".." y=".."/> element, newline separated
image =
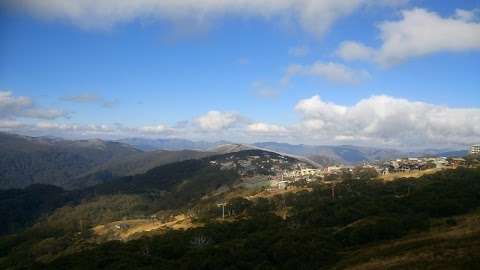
<point x="314" y="234"/>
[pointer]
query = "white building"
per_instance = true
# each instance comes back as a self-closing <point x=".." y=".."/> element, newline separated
<point x="279" y="184"/>
<point x="475" y="149"/>
<point x="334" y="169"/>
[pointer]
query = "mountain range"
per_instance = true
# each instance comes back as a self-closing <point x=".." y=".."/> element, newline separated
<point x="73" y="164"/>
<point x="145" y="144"/>
<point x="76" y="164"/>
<point x="172" y="209"/>
<point x="195" y="211"/>
<point x="326" y="154"/>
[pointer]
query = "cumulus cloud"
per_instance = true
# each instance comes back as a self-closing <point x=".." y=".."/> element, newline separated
<point x="90" y="98"/>
<point x="218" y="121"/>
<point x="377" y="120"/>
<point x="419" y="32"/>
<point x="299" y="51"/>
<point x="266" y="129"/>
<point x="12" y="107"/>
<point x="467" y="15"/>
<point x="350" y="50"/>
<point x="388" y="121"/>
<point x="77" y="129"/>
<point x="315" y="17"/>
<point x="331" y="71"/>
<point x="157" y="129"/>
<point x="69" y="127"/>
<point x="10" y="124"/>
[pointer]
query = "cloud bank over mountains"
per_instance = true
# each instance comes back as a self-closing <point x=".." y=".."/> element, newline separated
<point x="12" y="107"/>
<point x="389" y="121"/>
<point x="377" y="120"/>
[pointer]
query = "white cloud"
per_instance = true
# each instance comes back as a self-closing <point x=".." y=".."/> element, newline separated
<point x="76" y="129"/>
<point x="331" y="71"/>
<point x="73" y="128"/>
<point x="218" y="121"/>
<point x="90" y="98"/>
<point x="419" y="32"/>
<point x="266" y="129"/>
<point x="467" y="15"/>
<point x="299" y="51"/>
<point x="156" y="129"/>
<point x="388" y="121"/>
<point x="12" y="107"/>
<point x="10" y="124"/>
<point x="378" y="120"/>
<point x="314" y="16"/>
<point x="350" y="50"/>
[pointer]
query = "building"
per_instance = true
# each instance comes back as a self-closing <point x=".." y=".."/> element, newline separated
<point x="455" y="162"/>
<point x="334" y="169"/>
<point x="475" y="149"/>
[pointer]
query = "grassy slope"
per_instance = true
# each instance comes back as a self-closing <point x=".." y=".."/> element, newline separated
<point x="454" y="246"/>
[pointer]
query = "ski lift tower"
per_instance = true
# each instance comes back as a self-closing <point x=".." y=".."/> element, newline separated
<point x="223" y="208"/>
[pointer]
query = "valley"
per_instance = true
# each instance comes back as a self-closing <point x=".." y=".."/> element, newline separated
<point x="235" y="196"/>
<point x="239" y="135"/>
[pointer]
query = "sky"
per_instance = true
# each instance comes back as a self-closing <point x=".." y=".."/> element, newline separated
<point x="385" y="73"/>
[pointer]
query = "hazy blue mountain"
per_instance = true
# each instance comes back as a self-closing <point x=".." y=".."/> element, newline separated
<point x="170" y="144"/>
<point x="322" y="154"/>
<point x="329" y="154"/>
<point x="349" y="154"/>
<point x="79" y="163"/>
<point x="445" y="152"/>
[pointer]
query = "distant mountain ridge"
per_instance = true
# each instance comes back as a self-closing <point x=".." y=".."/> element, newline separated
<point x="30" y="160"/>
<point x="170" y="144"/>
<point x="350" y="154"/>
<point x="340" y="154"/>
<point x="322" y="154"/>
<point x="72" y="164"/>
<point x="135" y="164"/>
<point x="76" y="164"/>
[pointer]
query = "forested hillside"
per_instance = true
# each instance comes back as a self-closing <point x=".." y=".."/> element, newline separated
<point x="134" y="164"/>
<point x="306" y="230"/>
<point x="75" y="164"/>
<point x="29" y="160"/>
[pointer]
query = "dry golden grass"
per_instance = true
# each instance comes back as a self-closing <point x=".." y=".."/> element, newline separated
<point x="444" y="247"/>
<point x="137" y="227"/>
<point x="414" y="174"/>
<point x="274" y="192"/>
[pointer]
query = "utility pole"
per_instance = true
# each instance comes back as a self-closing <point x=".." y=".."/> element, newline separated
<point x="223" y="209"/>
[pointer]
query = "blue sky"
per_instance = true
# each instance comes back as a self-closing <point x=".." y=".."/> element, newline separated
<point x="155" y="70"/>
